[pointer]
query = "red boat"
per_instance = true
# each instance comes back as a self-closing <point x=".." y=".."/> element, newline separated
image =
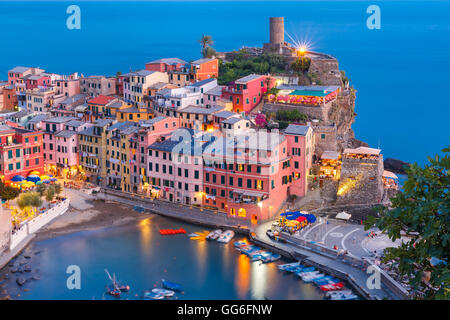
<point x="332" y="286"/>
<point x="171" y="231"/>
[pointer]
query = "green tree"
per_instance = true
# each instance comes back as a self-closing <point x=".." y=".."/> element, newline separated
<point x="58" y="188"/>
<point x="8" y="192"/>
<point x="421" y="212"/>
<point x="41" y="188"/>
<point x="301" y="65"/>
<point x="50" y="194"/>
<point x="29" y="200"/>
<point x="206" y="42"/>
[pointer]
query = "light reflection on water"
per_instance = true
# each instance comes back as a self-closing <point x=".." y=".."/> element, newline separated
<point x="140" y="257"/>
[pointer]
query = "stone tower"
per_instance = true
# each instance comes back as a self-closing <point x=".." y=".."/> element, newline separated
<point x="276" y="30"/>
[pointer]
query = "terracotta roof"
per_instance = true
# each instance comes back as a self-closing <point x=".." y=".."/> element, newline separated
<point x="101" y="100"/>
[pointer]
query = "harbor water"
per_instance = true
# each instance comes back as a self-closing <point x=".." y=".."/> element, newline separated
<point x="141" y="257"/>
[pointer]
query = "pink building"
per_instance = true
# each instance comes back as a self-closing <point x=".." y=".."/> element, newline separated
<point x="149" y="131"/>
<point x="300" y="143"/>
<point x="68" y="87"/>
<point x="246" y="93"/>
<point x="247" y="176"/>
<point x="53" y="145"/>
<point x="175" y="168"/>
<point x="17" y="73"/>
<point x="34" y="81"/>
<point x="165" y="65"/>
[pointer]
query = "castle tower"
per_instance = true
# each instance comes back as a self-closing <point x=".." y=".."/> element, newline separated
<point x="276" y="30"/>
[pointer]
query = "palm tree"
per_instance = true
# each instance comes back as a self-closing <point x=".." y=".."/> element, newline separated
<point x="206" y="43"/>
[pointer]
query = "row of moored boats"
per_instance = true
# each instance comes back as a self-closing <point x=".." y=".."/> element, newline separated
<point x="255" y="253"/>
<point x="331" y="285"/>
<point x="221" y="236"/>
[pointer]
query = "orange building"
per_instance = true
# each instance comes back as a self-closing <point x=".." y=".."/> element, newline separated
<point x="9" y="98"/>
<point x="205" y="68"/>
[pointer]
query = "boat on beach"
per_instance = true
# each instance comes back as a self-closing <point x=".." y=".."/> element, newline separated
<point x="226" y="236"/>
<point x="214" y="235"/>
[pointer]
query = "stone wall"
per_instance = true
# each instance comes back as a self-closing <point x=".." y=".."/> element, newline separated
<point x="325" y="138"/>
<point x="361" y="181"/>
<point x="326" y="70"/>
<point x="313" y="112"/>
<point x="5" y="229"/>
<point x="329" y="189"/>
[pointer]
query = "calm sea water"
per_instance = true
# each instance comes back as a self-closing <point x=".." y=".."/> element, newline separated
<point x="140" y="257"/>
<point x="401" y="71"/>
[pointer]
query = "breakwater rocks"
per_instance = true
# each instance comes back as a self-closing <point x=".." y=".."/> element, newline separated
<point x="18" y="274"/>
<point x="395" y="165"/>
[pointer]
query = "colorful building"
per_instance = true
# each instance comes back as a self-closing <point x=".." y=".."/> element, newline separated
<point x="300" y="143"/>
<point x="136" y="84"/>
<point x="92" y="150"/>
<point x="246" y="93"/>
<point x="204" y="68"/>
<point x="20" y="151"/>
<point x="94" y="86"/>
<point x="165" y="64"/>
<point x="175" y="167"/>
<point x="247" y="176"/>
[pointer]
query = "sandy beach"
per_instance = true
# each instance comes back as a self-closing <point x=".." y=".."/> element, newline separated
<point x="88" y="214"/>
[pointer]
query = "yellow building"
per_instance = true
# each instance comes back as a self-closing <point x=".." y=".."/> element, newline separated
<point x="118" y="155"/>
<point x="134" y="114"/>
<point x="92" y="146"/>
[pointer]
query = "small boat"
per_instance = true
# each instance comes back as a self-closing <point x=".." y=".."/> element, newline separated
<point x="330" y="293"/>
<point x="115" y="289"/>
<point x="269" y="257"/>
<point x="124" y="288"/>
<point x="171" y="231"/>
<point x="163" y="292"/>
<point x="332" y="286"/>
<point x="288" y="265"/>
<point x="306" y="270"/>
<point x="240" y="244"/>
<point x="226" y="236"/>
<point x="343" y="295"/>
<point x="250" y="249"/>
<point x="325" y="280"/>
<point x="172" y="285"/>
<point x="214" y="235"/>
<point x="311" y="277"/>
<point x="152" y="295"/>
<point x="113" y="292"/>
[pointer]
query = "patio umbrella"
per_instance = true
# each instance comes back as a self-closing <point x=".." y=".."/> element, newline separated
<point x="46" y="181"/>
<point x="33" y="178"/>
<point x="53" y="179"/>
<point x="50" y="175"/>
<point x="35" y="172"/>
<point x="39" y="182"/>
<point x="18" y="178"/>
<point x="45" y="177"/>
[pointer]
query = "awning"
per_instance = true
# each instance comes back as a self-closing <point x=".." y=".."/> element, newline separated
<point x="389" y="174"/>
<point x="343" y="216"/>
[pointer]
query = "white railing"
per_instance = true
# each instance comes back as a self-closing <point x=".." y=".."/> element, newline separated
<point x="38" y="222"/>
